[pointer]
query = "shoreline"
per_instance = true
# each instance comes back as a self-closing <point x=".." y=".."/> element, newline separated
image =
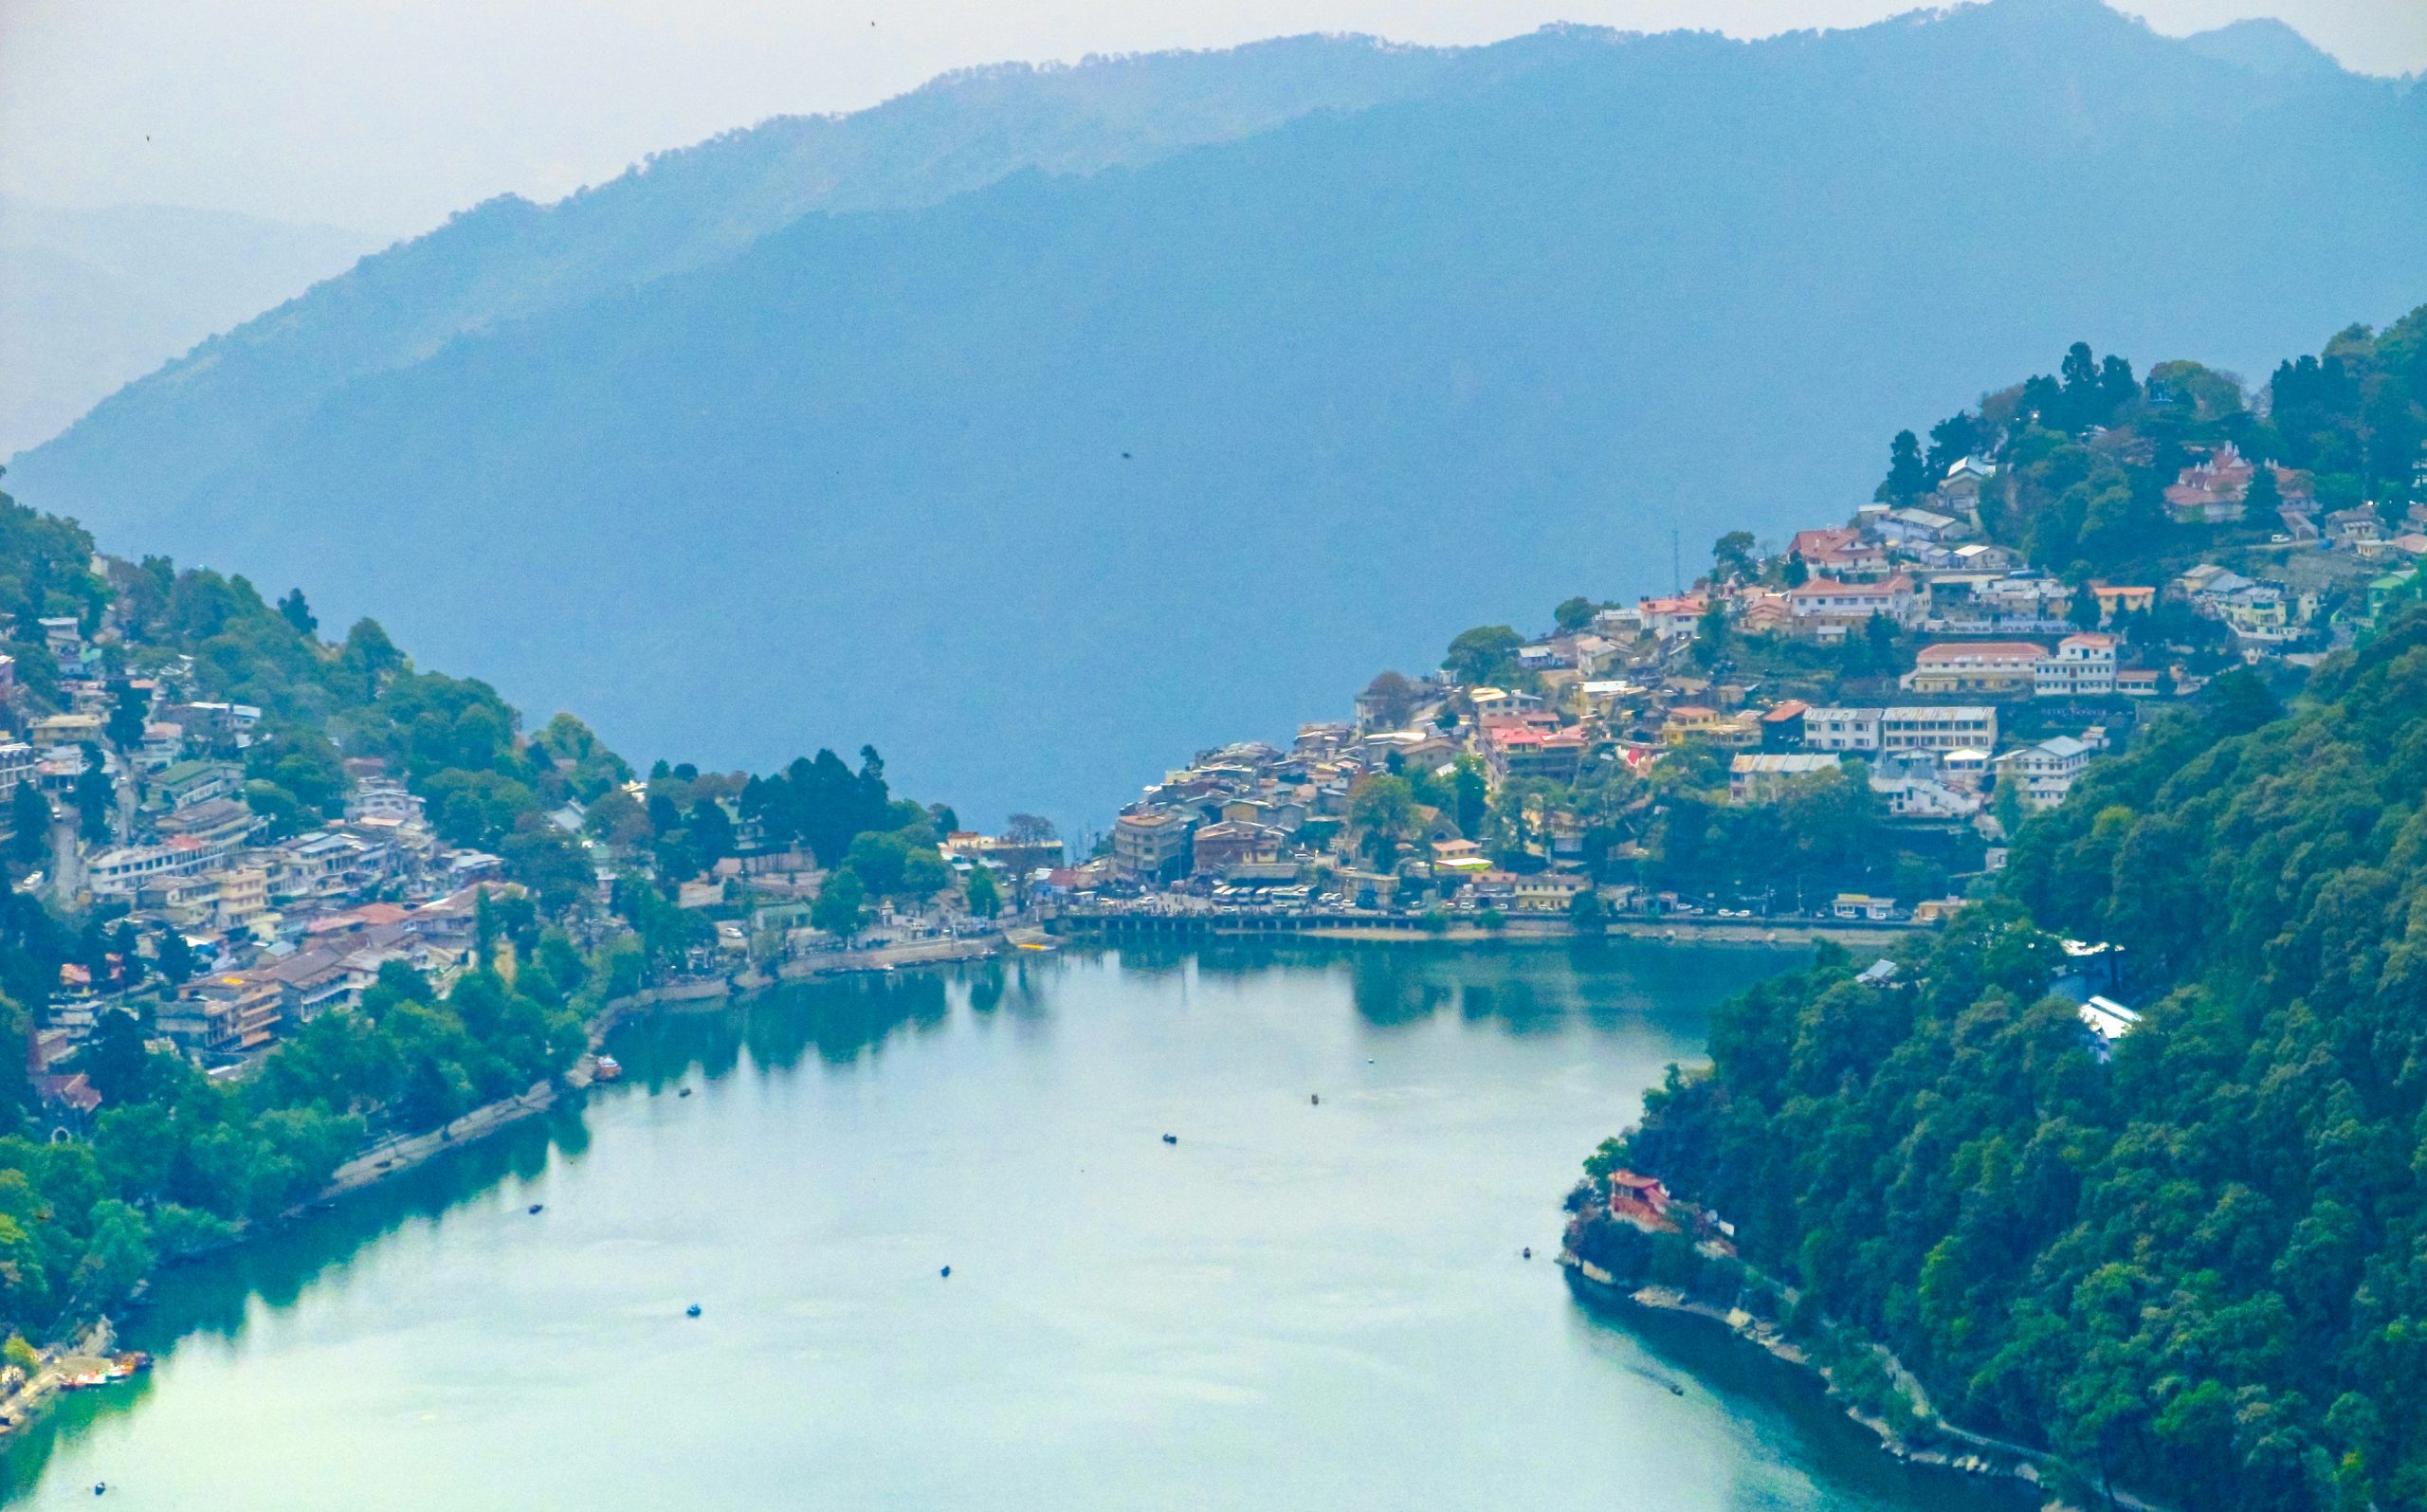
<point x="1982" y="1455"/>
<point x="395" y="1156"/>
<point x="63" y="1360"/>
<point x="1117" y="929"/>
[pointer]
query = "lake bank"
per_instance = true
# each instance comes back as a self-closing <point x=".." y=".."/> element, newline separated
<point x="843" y="1141"/>
<point x="1950" y="1446"/>
<point x="1122" y="927"/>
<point x="396" y="1154"/>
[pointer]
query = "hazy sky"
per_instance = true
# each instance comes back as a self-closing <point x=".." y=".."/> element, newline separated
<point x="386" y="115"/>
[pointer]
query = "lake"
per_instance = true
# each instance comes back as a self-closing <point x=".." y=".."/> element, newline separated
<point x="1294" y="1306"/>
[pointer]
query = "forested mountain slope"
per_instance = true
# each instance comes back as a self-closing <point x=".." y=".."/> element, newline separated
<point x="1100" y="466"/>
<point x="2197" y="1269"/>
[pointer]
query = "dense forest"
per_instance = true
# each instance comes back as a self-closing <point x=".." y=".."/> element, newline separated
<point x="2198" y="1269"/>
<point x="2202" y="1268"/>
<point x="2090" y="450"/>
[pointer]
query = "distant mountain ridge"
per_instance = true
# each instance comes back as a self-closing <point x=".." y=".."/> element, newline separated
<point x="507" y="258"/>
<point x="90" y="298"/>
<point x="1039" y="478"/>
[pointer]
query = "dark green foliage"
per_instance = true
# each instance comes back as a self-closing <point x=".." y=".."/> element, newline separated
<point x="297" y="613"/>
<point x="2090" y="453"/>
<point x="95" y="798"/>
<point x="1485" y="654"/>
<point x="176" y="1162"/>
<point x="549" y="861"/>
<point x="821" y="803"/>
<point x="1906" y="477"/>
<point x="980" y="893"/>
<point x="2194" y="1270"/>
<point x="300" y="760"/>
<point x="129" y="707"/>
<point x="28" y="825"/>
<point x="838" y="907"/>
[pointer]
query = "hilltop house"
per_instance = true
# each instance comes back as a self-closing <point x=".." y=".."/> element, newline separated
<point x="1959" y="492"/>
<point x="2210" y="491"/>
<point x="1673" y="618"/>
<point x="1921" y="527"/>
<point x="1839" y="553"/>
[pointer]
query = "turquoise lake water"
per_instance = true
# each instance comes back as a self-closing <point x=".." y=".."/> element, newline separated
<point x="1296" y="1306"/>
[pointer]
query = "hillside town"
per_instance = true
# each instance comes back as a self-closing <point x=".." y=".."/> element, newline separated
<point x="226" y="914"/>
<point x="1903" y="660"/>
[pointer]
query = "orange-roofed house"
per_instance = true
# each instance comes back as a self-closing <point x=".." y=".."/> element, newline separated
<point x="1640" y="1200"/>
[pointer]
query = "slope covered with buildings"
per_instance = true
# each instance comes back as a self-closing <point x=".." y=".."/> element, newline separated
<point x="1851" y="722"/>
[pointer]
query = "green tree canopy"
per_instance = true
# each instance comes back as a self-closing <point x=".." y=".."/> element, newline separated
<point x="1485" y="654"/>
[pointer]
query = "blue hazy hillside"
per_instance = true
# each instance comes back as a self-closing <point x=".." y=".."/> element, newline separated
<point x="1047" y="480"/>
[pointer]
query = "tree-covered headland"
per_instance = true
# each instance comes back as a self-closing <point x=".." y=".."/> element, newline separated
<point x="2198" y="1268"/>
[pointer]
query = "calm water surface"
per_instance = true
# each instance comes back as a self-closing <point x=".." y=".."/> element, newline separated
<point x="1294" y="1306"/>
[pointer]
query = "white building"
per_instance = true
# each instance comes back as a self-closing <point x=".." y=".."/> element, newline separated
<point x="1910" y="786"/>
<point x="2107" y="1021"/>
<point x="123" y="870"/>
<point x="1823" y="609"/>
<point x="383" y="798"/>
<point x="1909" y="727"/>
<point x="1838" y="729"/>
<point x="2083" y="666"/>
<point x="2043" y="774"/>
<point x="1932" y="727"/>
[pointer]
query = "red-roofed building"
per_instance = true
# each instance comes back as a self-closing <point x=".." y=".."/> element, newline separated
<point x="1841" y="553"/>
<point x="1671" y="618"/>
<point x="1825" y="608"/>
<point x="2213" y="490"/>
<point x="1640" y="1200"/>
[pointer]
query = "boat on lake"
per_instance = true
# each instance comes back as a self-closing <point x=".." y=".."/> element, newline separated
<point x="607" y="1069"/>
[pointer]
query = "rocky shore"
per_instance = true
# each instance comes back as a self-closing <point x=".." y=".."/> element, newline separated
<point x="1954" y="1448"/>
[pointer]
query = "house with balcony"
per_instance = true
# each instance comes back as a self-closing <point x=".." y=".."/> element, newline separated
<point x="1840" y="553"/>
<point x="2043" y="774"/>
<point x="1152" y="845"/>
<point x="2083" y="666"/>
<point x="1983" y="668"/>
<point x="1826" y="609"/>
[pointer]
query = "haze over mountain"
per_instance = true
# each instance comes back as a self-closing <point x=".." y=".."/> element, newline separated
<point x="90" y="298"/>
<point x="1047" y="424"/>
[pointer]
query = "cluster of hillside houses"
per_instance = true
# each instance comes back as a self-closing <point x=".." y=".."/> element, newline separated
<point x="2014" y="685"/>
<point x="277" y="930"/>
